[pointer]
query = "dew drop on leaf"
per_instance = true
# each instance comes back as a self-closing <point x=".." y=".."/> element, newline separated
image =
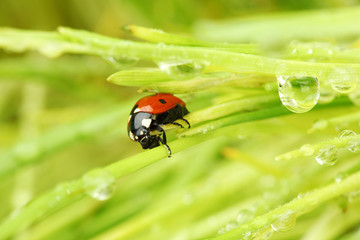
<point x="99" y="184"/>
<point x="285" y="222"/>
<point x="343" y="80"/>
<point x="120" y="62"/>
<point x="298" y="94"/>
<point x="353" y="144"/>
<point x="244" y="216"/>
<point x="327" y="155"/>
<point x="355" y="97"/>
<point x="307" y="150"/>
<point x="182" y="69"/>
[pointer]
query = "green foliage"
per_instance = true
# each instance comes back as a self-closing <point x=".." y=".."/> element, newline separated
<point x="71" y="172"/>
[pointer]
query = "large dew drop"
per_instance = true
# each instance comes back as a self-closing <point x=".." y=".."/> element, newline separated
<point x="285" y="222"/>
<point x="327" y="155"/>
<point x="99" y="184"/>
<point x="298" y="94"/>
<point x="343" y="80"/>
<point x="182" y="70"/>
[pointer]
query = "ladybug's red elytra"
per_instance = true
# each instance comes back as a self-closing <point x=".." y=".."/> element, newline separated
<point x="150" y="113"/>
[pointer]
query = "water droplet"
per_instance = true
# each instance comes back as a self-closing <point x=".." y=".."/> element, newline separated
<point x="298" y="94"/>
<point x="307" y="150"/>
<point x="285" y="222"/>
<point x="343" y="80"/>
<point x="99" y="184"/>
<point x="354" y="195"/>
<point x="355" y="97"/>
<point x="222" y="231"/>
<point x="340" y="177"/>
<point x="327" y="94"/>
<point x="353" y="144"/>
<point x="182" y="70"/>
<point x="264" y="234"/>
<point x="231" y="225"/>
<point x="347" y="133"/>
<point x="327" y="155"/>
<point x="244" y="216"/>
<point x="320" y="125"/>
<point x="121" y="62"/>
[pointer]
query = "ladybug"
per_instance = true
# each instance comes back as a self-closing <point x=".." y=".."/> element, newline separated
<point x="150" y="113"/>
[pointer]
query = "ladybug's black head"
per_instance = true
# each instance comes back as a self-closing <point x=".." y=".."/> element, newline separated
<point x="148" y="141"/>
<point x="140" y="125"/>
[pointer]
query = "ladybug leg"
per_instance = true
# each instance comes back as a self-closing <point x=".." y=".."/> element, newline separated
<point x="177" y="124"/>
<point x="187" y="122"/>
<point x="163" y="140"/>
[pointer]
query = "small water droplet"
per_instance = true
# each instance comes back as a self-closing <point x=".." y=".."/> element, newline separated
<point x="353" y="195"/>
<point x="347" y="133"/>
<point x="307" y="150"/>
<point x="355" y="97"/>
<point x="205" y="131"/>
<point x="340" y="177"/>
<point x="231" y="225"/>
<point x="222" y="231"/>
<point x="353" y="144"/>
<point x="298" y="94"/>
<point x="327" y="94"/>
<point x="343" y="80"/>
<point x="285" y="222"/>
<point x="327" y="155"/>
<point x="244" y="216"/>
<point x="99" y="184"/>
<point x="121" y="62"/>
<point x="302" y="195"/>
<point x="320" y="124"/>
<point x="264" y="234"/>
<point x="182" y="69"/>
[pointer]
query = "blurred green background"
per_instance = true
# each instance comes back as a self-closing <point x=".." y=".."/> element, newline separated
<point x="38" y="94"/>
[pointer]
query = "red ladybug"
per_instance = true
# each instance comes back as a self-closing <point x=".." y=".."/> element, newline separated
<point x="150" y="113"/>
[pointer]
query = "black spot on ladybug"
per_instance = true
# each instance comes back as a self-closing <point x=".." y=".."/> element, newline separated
<point x="162" y="101"/>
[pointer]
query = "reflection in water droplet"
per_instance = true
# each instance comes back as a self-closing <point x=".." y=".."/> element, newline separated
<point x="327" y="155"/>
<point x="298" y="94"/>
<point x="343" y="80"/>
<point x="285" y="222"/>
<point x="182" y="70"/>
<point x="244" y="216"/>
<point x="99" y="184"/>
